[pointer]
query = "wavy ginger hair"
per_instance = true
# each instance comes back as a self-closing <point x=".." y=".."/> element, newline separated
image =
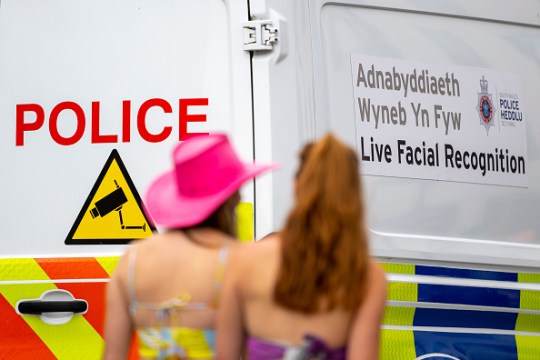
<point x="324" y="252"/>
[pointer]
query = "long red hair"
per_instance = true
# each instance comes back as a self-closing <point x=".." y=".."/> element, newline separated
<point x="324" y="252"/>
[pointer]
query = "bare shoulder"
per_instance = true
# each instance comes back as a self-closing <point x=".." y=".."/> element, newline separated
<point x="262" y="248"/>
<point x="244" y="256"/>
<point x="377" y="282"/>
<point x="376" y="271"/>
<point x="137" y="246"/>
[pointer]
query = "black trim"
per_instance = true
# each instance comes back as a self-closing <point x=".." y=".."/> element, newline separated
<point x="38" y="307"/>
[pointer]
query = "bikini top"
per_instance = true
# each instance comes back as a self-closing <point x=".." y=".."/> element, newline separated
<point x="312" y="347"/>
<point x="167" y="339"/>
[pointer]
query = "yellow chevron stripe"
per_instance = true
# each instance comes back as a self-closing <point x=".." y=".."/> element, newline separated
<point x="529" y="278"/>
<point x="527" y="347"/>
<point x="397" y="344"/>
<point x="403" y="291"/>
<point x="407" y="269"/>
<point x="75" y="340"/>
<point x="244" y="221"/>
<point x="528" y="322"/>
<point x="108" y="263"/>
<point x="21" y="269"/>
<point x="398" y="315"/>
<point x="529" y="299"/>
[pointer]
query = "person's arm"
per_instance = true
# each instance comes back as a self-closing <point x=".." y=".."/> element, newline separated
<point x="118" y="329"/>
<point x="364" y="338"/>
<point x="229" y="322"/>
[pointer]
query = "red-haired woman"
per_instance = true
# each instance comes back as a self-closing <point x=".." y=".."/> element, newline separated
<point x="311" y="290"/>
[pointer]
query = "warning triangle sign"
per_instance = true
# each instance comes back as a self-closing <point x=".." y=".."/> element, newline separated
<point x="112" y="213"/>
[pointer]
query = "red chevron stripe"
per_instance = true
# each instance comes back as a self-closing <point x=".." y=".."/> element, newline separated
<point x="72" y="268"/>
<point x="93" y="293"/>
<point x="17" y="339"/>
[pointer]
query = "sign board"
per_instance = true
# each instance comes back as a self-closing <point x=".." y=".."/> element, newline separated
<point x="113" y="212"/>
<point x="439" y="122"/>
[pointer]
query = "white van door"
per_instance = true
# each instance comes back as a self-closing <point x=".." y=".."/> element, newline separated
<point x="439" y="100"/>
<point x="93" y="97"/>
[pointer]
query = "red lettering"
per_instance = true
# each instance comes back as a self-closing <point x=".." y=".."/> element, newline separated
<point x="21" y="126"/>
<point x="97" y="138"/>
<point x="53" y="123"/>
<point x="32" y="117"/>
<point x="185" y="117"/>
<point x="126" y="121"/>
<point x="141" y="120"/>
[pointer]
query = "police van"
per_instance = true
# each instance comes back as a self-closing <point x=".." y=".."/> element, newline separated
<point x="437" y="97"/>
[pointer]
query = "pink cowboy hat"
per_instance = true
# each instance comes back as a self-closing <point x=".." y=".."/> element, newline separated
<point x="206" y="172"/>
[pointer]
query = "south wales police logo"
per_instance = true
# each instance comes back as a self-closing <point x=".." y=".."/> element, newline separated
<point x="485" y="105"/>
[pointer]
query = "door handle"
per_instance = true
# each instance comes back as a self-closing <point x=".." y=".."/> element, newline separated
<point x="54" y="307"/>
<point x="38" y="307"/>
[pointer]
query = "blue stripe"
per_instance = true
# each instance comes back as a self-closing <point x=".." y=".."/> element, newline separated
<point x="466" y="346"/>
<point x="465" y="273"/>
<point x="468" y="295"/>
<point x="465" y="318"/>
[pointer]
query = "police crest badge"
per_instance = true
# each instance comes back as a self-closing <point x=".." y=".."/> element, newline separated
<point x="485" y="105"/>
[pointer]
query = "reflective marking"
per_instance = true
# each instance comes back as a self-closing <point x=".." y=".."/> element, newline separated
<point x="529" y="278"/>
<point x="61" y="281"/>
<point x="399" y="268"/>
<point x="465" y="319"/>
<point x="75" y="340"/>
<point x="460" y="330"/>
<point x="21" y="269"/>
<point x="64" y="341"/>
<point x="527" y="347"/>
<point x="528" y="322"/>
<point x="456" y="294"/>
<point x="403" y="291"/>
<point x="397" y="344"/>
<point x="398" y="315"/>
<point x="72" y="268"/>
<point x="430" y="305"/>
<point x="108" y="263"/>
<point x="18" y="339"/>
<point x="434" y="280"/>
<point x="530" y="299"/>
<point x="465" y="273"/>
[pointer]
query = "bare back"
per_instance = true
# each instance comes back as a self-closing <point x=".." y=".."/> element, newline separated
<point x="173" y="266"/>
<point x="267" y="320"/>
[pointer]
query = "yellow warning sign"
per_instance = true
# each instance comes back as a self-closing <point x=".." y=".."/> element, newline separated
<point x="113" y="213"/>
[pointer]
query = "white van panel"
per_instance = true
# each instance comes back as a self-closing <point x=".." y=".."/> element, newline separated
<point x="283" y="106"/>
<point x="100" y="51"/>
<point x="426" y="219"/>
<point x="412" y="218"/>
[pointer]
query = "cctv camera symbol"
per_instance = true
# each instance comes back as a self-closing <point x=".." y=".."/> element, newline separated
<point x="113" y="202"/>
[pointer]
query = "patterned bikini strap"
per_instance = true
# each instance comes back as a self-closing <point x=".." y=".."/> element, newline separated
<point x="132" y="257"/>
<point x="220" y="272"/>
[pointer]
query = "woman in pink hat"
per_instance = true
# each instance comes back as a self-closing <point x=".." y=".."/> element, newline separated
<point x="166" y="288"/>
<point x="310" y="291"/>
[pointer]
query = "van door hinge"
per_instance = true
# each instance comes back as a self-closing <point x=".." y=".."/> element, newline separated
<point x="259" y="35"/>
